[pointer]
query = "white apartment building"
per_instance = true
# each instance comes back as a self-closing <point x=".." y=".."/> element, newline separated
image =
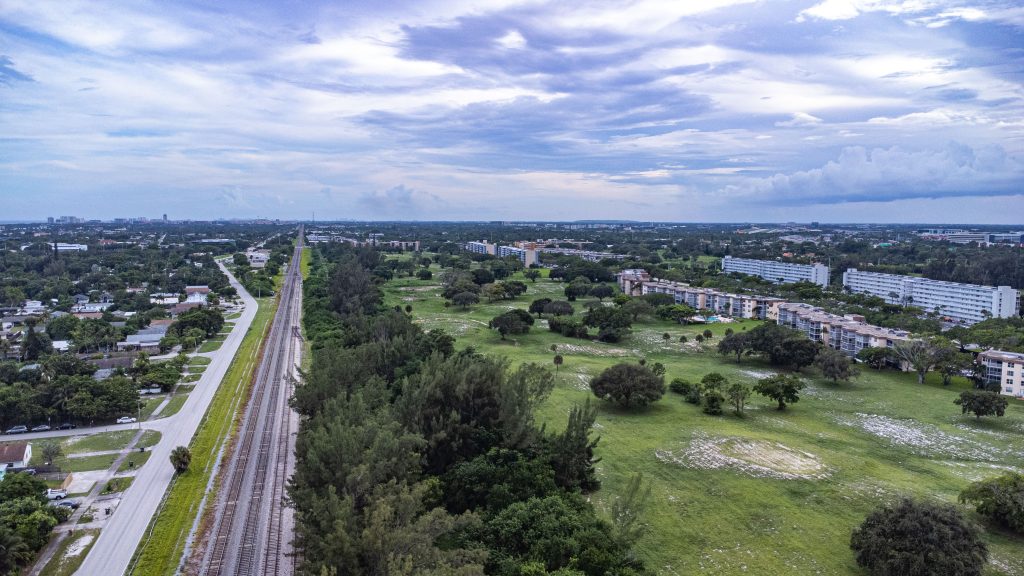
<point x="778" y="272"/>
<point x="1006" y="368"/>
<point x="482" y="247"/>
<point x="708" y="299"/>
<point x="963" y="303"/>
<point x="525" y="255"/>
<point x="849" y="334"/>
<point x="631" y="281"/>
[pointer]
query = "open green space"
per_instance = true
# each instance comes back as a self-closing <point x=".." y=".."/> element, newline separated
<point x="188" y="378"/>
<point x="174" y="404"/>
<point x="119" y="484"/>
<point x="210" y="345"/>
<point x="70" y="553"/>
<point x="774" y="492"/>
<point x="150" y="405"/>
<point x="149" y="438"/>
<point x="86" y="463"/>
<point x="162" y="545"/>
<point x="134" y="461"/>
<point x="199" y="361"/>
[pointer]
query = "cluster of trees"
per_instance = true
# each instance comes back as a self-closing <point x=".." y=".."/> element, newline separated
<point x="465" y="288"/>
<point x="417" y="459"/>
<point x="26" y="520"/>
<point x="192" y="327"/>
<point x="714" y="391"/>
<point x="63" y="389"/>
<point x="780" y="345"/>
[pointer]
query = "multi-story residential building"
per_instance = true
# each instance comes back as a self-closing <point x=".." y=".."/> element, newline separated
<point x="631" y="281"/>
<point x="778" y="272"/>
<point x="588" y="255"/>
<point x="482" y="247"/>
<point x="707" y="299"/>
<point x="848" y="334"/>
<point x="525" y="255"/>
<point x="1006" y="369"/>
<point x="963" y="303"/>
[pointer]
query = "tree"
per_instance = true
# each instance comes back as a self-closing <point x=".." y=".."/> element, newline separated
<point x="783" y="346"/>
<point x="679" y="312"/>
<point x="531" y="274"/>
<point x="918" y="539"/>
<point x="482" y="276"/>
<point x="920" y="354"/>
<point x="736" y="343"/>
<point x="680" y="386"/>
<point x="876" y="357"/>
<point x="181" y="457"/>
<point x="708" y="334"/>
<point x="571" y="453"/>
<point x="493" y="292"/>
<point x="559" y="308"/>
<point x="558" y="360"/>
<point x="537" y="306"/>
<point x="683" y="339"/>
<point x="712" y="402"/>
<point x="602" y="291"/>
<point x="628" y="385"/>
<point x="738" y="394"/>
<point x="628" y="509"/>
<point x="1000" y="498"/>
<point x="515" y="321"/>
<point x="781" y="388"/>
<point x="952" y="364"/>
<point x="636" y="308"/>
<point x="51" y="451"/>
<point x="699" y="338"/>
<point x="714" y="381"/>
<point x="424" y="274"/>
<point x="835" y="365"/>
<point x="465" y="299"/>
<point x="666" y="336"/>
<point x="981" y="403"/>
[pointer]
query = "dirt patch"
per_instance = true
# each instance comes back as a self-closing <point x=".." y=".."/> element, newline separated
<point x="923" y="439"/>
<point x="757" y="458"/>
<point x="758" y="374"/>
<point x="417" y="288"/>
<point x="593" y="350"/>
<point x="78" y="546"/>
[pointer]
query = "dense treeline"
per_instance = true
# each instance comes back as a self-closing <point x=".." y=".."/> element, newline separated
<point x="414" y="458"/>
<point x="26" y="520"/>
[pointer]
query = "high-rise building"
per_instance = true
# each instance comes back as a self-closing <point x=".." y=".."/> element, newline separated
<point x="482" y="247"/>
<point x="526" y="256"/>
<point x="778" y="272"/>
<point x="963" y="303"/>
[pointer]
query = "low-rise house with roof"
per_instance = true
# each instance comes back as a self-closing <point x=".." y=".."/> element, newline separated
<point x="15" y="454"/>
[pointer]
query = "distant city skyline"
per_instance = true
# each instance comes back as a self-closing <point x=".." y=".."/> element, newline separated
<point x="842" y="111"/>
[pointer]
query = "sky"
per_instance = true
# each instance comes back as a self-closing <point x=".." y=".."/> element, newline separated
<point x="717" y="110"/>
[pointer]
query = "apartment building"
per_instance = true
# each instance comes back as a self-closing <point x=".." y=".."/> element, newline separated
<point x="525" y="255"/>
<point x="963" y="303"/>
<point x="849" y="334"/>
<point x="719" y="303"/>
<point x="778" y="272"/>
<point x="482" y="247"/>
<point x="631" y="281"/>
<point x="1006" y="369"/>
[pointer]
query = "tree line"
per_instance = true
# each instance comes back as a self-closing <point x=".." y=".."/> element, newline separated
<point x="415" y="458"/>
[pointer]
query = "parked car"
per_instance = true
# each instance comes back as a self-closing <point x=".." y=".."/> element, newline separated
<point x="17" y="430"/>
<point x="41" y="428"/>
<point x="72" y="503"/>
<point x="29" y="471"/>
<point x="125" y="420"/>
<point x="56" y="494"/>
<point x="67" y="426"/>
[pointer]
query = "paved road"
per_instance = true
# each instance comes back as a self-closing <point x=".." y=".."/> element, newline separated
<point x="120" y="537"/>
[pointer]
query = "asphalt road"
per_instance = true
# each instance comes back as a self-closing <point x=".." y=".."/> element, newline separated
<point x="124" y="530"/>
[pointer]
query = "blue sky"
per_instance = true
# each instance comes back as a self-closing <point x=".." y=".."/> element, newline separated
<point x="718" y="110"/>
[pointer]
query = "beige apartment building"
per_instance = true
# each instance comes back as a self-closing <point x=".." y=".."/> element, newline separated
<point x="1006" y="368"/>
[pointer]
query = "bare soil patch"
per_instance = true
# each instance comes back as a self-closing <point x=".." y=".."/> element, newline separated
<point x="753" y="457"/>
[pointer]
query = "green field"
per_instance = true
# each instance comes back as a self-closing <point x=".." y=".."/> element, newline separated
<point x="174" y="405"/>
<point x="772" y="493"/>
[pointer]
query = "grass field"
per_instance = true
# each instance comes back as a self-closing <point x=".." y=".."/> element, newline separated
<point x="174" y="405"/>
<point x="199" y="361"/>
<point x="772" y="493"/>
<point x="211" y="345"/>
<point x="98" y="442"/>
<point x="162" y="546"/>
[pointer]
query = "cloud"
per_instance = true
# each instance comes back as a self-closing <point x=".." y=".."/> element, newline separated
<point x="9" y="74"/>
<point x="398" y="202"/>
<point x="888" y="174"/>
<point x="799" y="119"/>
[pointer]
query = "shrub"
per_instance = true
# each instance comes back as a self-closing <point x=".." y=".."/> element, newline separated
<point x="1000" y="498"/>
<point x="628" y="385"/>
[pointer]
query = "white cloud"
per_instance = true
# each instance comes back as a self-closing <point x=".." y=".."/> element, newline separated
<point x="513" y="40"/>
<point x="799" y="119"/>
<point x="847" y="9"/>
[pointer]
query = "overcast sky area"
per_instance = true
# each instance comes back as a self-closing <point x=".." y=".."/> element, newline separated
<point x="718" y="110"/>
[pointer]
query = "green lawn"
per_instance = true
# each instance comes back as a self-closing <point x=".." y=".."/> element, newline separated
<point x="210" y="345"/>
<point x="150" y="405"/>
<point x="199" y="361"/>
<point x="98" y="442"/>
<point x="61" y="564"/>
<point x="118" y="484"/>
<point x="772" y="493"/>
<point x="134" y="461"/>
<point x="161" y="547"/>
<point x="188" y="378"/>
<point x="174" y="405"/>
<point x="87" y="463"/>
<point x="149" y="438"/>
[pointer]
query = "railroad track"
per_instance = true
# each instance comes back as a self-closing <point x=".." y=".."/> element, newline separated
<point x="249" y="535"/>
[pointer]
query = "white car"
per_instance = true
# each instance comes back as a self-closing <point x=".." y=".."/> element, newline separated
<point x="56" y="494"/>
<point x="125" y="420"/>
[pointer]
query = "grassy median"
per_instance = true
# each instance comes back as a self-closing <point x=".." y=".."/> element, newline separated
<point x="160" y="551"/>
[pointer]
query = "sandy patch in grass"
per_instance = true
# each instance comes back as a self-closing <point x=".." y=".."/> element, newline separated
<point x="922" y="439"/>
<point x="454" y="326"/>
<point x="417" y="288"/>
<point x="581" y="382"/>
<point x="592" y="350"/>
<point x="78" y="546"/>
<point x="758" y="374"/>
<point x="757" y="458"/>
